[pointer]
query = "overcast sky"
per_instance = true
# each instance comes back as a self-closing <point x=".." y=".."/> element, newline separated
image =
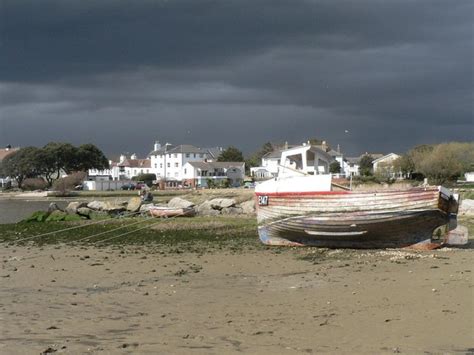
<point x="377" y="76"/>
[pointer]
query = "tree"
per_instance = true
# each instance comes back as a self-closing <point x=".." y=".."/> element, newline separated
<point x="21" y="165"/>
<point x="335" y="167"/>
<point x="405" y="165"/>
<point x="444" y="162"/>
<point x="231" y="154"/>
<point x="365" y="165"/>
<point x="90" y="157"/>
<point x="256" y="158"/>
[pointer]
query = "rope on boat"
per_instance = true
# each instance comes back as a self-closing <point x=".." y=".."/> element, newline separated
<point x="112" y="230"/>
<point x="72" y="228"/>
<point x="147" y="226"/>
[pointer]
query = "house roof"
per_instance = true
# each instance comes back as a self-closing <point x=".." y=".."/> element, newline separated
<point x="382" y="158"/>
<point x="214" y="152"/>
<point x="352" y="160"/>
<point x="6" y="151"/>
<point x="216" y="165"/>
<point x="136" y="163"/>
<point x="182" y="148"/>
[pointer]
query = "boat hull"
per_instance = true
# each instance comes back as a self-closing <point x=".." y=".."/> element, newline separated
<point x="354" y="220"/>
<point x="167" y="212"/>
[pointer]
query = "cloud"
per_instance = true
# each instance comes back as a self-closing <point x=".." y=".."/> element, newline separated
<point x="123" y="74"/>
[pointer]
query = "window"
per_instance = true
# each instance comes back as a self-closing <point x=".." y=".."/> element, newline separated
<point x="187" y="155"/>
<point x="175" y="155"/>
<point x="204" y="173"/>
<point x="195" y="155"/>
<point x="169" y="155"/>
<point x="175" y="174"/>
<point x="156" y="165"/>
<point x="185" y="171"/>
<point x="161" y="165"/>
<point x="168" y="165"/>
<point x="176" y="165"/>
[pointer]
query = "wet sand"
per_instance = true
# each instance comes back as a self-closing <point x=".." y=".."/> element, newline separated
<point x="262" y="301"/>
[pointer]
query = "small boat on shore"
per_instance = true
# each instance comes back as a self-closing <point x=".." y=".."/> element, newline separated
<point x="163" y="211"/>
<point x="299" y="208"/>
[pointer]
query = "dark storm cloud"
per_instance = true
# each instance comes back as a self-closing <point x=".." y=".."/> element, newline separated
<point x="237" y="72"/>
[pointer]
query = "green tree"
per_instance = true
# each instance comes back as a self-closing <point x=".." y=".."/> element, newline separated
<point x="365" y="165"/>
<point x="444" y="162"/>
<point x="231" y="154"/>
<point x="21" y="165"/>
<point x="89" y="157"/>
<point x="335" y="167"/>
<point x="256" y="158"/>
<point x="404" y="164"/>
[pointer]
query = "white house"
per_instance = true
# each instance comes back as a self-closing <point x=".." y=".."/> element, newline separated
<point x="351" y="166"/>
<point x="269" y="167"/>
<point x="197" y="174"/>
<point x="167" y="161"/>
<point x="384" y="164"/>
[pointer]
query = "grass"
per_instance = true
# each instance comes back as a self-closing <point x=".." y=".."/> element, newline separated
<point x="185" y="234"/>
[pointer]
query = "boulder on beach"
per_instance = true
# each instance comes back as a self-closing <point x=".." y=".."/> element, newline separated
<point x="205" y="209"/>
<point x="232" y="210"/>
<point x="220" y="203"/>
<point x="84" y="211"/>
<point x="74" y="206"/>
<point x="53" y="206"/>
<point x="178" y="202"/>
<point x="134" y="204"/>
<point x="248" y="207"/>
<point x="97" y="205"/>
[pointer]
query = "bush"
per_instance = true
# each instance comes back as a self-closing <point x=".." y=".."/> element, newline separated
<point x="65" y="184"/>
<point x="34" y="184"/>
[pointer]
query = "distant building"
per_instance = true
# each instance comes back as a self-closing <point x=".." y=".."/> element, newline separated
<point x="384" y="165"/>
<point x="198" y="174"/>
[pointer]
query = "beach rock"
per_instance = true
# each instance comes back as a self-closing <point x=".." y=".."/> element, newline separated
<point x="97" y="205"/>
<point x="113" y="207"/>
<point x="178" y="202"/>
<point x="84" y="211"/>
<point x="56" y="216"/>
<point x="248" y="207"/>
<point x="232" y="210"/>
<point x="205" y="209"/>
<point x="53" y="206"/>
<point x="74" y="206"/>
<point x="466" y="208"/>
<point x="220" y="203"/>
<point x="134" y="204"/>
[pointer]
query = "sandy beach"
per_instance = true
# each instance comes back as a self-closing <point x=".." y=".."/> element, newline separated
<point x="151" y="299"/>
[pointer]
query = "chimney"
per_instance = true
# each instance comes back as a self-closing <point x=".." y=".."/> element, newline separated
<point x="286" y="145"/>
<point x="133" y="156"/>
<point x="157" y="145"/>
<point x="122" y="158"/>
<point x="338" y="149"/>
<point x="324" y="145"/>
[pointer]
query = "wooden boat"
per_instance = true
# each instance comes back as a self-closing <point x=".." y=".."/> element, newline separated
<point x="304" y="210"/>
<point x="166" y="212"/>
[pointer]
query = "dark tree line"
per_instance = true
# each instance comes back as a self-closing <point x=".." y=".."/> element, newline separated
<point x="51" y="160"/>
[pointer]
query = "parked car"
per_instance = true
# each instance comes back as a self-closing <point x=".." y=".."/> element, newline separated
<point x="128" y="186"/>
